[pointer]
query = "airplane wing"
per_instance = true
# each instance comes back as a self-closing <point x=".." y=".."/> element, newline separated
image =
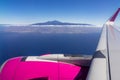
<point x="105" y="64"/>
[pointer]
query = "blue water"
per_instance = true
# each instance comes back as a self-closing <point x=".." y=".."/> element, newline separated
<point x="28" y="44"/>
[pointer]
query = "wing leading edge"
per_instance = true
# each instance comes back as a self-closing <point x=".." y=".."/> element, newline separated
<point x="105" y="64"/>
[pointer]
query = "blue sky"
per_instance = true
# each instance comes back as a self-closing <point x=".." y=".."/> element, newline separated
<point x="80" y="11"/>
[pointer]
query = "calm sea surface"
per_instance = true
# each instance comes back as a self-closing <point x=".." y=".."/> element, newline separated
<point x="33" y="44"/>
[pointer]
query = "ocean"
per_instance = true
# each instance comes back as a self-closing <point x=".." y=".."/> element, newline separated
<point x="35" y="44"/>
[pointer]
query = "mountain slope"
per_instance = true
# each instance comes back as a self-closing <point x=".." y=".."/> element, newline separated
<point x="55" y="22"/>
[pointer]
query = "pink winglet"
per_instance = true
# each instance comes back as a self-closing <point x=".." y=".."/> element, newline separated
<point x="115" y="15"/>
